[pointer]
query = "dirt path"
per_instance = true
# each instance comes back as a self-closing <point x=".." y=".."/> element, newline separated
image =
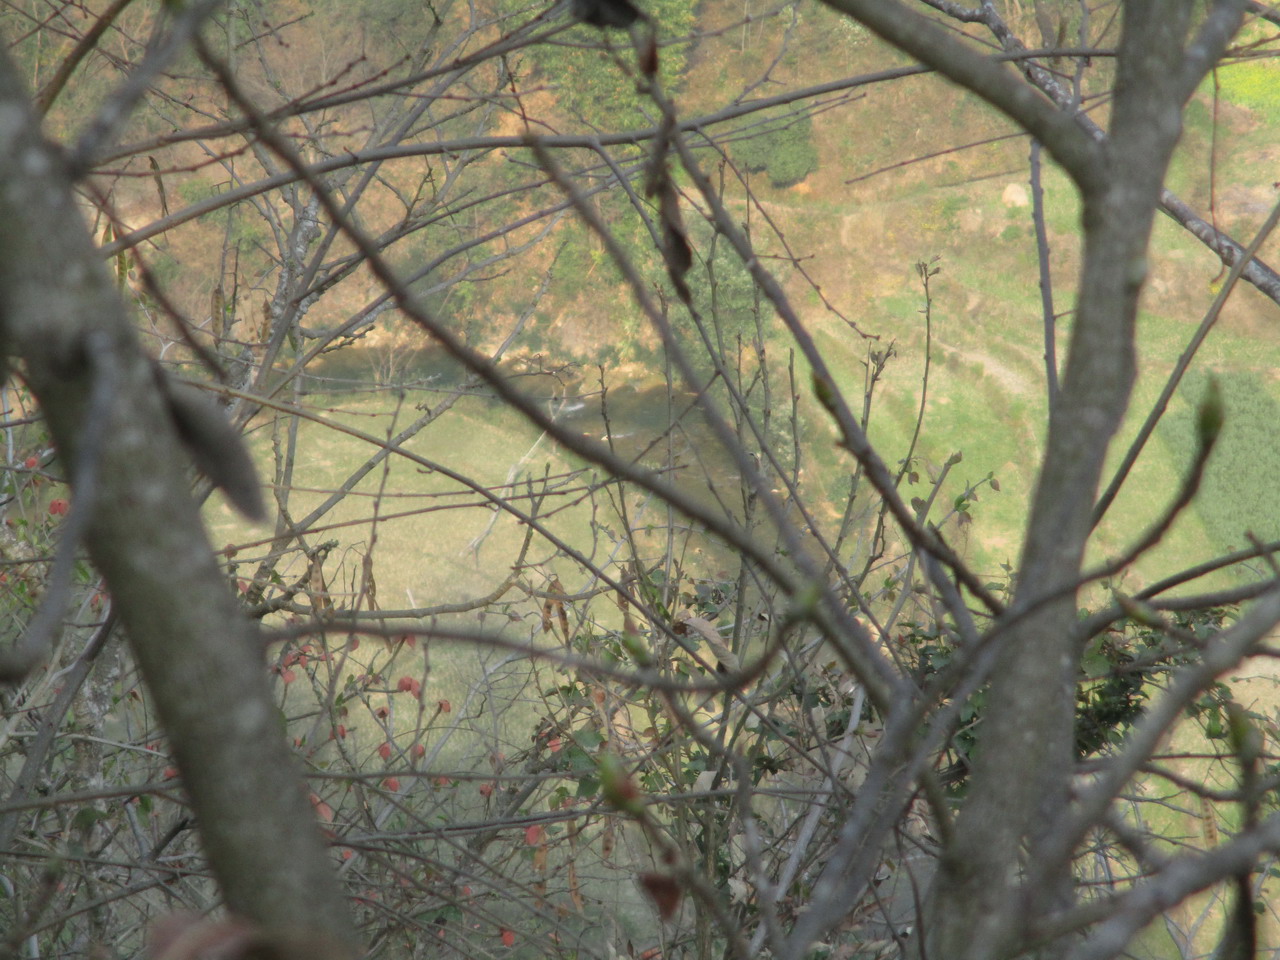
<point x="1013" y="381"/>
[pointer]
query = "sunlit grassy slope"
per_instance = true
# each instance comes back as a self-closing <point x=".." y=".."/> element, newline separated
<point x="859" y="229"/>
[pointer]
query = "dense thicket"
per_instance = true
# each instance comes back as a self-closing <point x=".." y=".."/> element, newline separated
<point x="676" y="488"/>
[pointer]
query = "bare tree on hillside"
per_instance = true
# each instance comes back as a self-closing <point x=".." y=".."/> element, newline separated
<point x="566" y="608"/>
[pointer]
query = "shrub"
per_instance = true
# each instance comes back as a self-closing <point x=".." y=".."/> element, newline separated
<point x="785" y="152"/>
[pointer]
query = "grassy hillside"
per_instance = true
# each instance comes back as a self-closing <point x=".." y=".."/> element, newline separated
<point x="907" y="172"/>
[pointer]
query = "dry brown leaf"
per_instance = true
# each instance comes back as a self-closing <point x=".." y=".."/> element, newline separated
<point x="664" y="891"/>
<point x="370" y="585"/>
<point x="675" y="240"/>
<point x="726" y="660"/>
<point x="217" y="449"/>
<point x="555" y="604"/>
<point x="575" y="891"/>
<point x="318" y="589"/>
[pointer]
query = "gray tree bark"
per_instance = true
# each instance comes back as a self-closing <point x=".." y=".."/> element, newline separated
<point x="67" y="329"/>
<point x="979" y="905"/>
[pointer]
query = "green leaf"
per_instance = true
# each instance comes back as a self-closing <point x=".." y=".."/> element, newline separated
<point x="588" y="738"/>
<point x="616" y="785"/>
<point x="86" y="818"/>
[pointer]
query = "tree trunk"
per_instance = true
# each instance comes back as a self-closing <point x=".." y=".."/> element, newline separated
<point x="1020" y="793"/>
<point x="1020" y="784"/>
<point x="66" y="325"/>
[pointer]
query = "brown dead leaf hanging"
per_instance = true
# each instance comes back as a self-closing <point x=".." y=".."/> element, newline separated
<point x="664" y="891"/>
<point x="554" y="603"/>
<point x="370" y="585"/>
<point x="575" y="888"/>
<point x="648" y="56"/>
<point x="321" y="602"/>
<point x="726" y="660"/>
<point x="317" y="588"/>
<point x="675" y="240"/>
<point x="216" y="449"/>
